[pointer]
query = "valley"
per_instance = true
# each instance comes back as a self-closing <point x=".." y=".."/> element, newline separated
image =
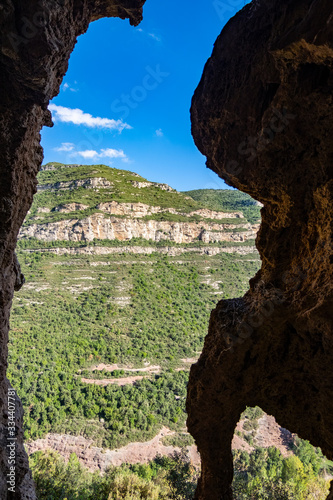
<point x="121" y="276"/>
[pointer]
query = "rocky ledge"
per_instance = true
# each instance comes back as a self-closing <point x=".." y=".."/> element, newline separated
<point x="33" y="61"/>
<point x="262" y="114"/>
<point x="112" y="228"/>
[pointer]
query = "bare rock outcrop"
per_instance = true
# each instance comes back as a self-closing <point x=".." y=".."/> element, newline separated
<point x="92" y="183"/>
<point x="37" y="38"/>
<point x="112" y="228"/>
<point x="262" y="115"/>
<point x="137" y="210"/>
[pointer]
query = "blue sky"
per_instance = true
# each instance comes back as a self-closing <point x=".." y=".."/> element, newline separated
<point x="125" y="99"/>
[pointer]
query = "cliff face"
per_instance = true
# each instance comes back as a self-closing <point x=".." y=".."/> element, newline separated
<point x="262" y="114"/>
<point x="101" y="228"/>
<point x="33" y="60"/>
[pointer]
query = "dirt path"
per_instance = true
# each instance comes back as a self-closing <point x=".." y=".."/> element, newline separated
<point x="111" y="368"/>
<point x="112" y="381"/>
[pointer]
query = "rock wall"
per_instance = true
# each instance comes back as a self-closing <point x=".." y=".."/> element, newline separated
<point x="262" y="115"/>
<point x="137" y="210"/>
<point x="112" y="228"/>
<point x="37" y="38"/>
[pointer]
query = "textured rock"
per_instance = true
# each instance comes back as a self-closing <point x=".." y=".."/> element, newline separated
<point x="37" y="38"/>
<point x="102" y="228"/>
<point x="262" y="115"/>
<point x="137" y="210"/>
<point x="164" y="187"/>
<point x="68" y="208"/>
<point x="92" y="183"/>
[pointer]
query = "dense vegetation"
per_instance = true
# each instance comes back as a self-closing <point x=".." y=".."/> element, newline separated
<point x="165" y="478"/>
<point x="59" y="328"/>
<point x="227" y="199"/>
<point x="75" y="312"/>
<point x="265" y="474"/>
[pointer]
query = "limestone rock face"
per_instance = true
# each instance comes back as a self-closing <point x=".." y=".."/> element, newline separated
<point x="137" y="210"/>
<point x="37" y="38"/>
<point x="262" y="115"/>
<point x="93" y="183"/>
<point x="101" y="228"/>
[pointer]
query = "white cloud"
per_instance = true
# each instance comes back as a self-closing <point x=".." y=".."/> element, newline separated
<point x="112" y="153"/>
<point x="65" y="87"/>
<point x="65" y="146"/>
<point x="159" y="132"/>
<point x="104" y="153"/>
<point x="78" y="117"/>
<point x="155" y="37"/>
<point x="88" y="153"/>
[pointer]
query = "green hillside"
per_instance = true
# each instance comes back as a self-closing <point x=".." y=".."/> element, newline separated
<point x="78" y="311"/>
<point x="121" y="187"/>
<point x="227" y="199"/>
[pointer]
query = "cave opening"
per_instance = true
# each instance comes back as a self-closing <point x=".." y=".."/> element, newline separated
<point x="63" y="306"/>
<point x="94" y="352"/>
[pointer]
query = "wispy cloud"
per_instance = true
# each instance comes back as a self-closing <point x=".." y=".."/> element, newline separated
<point x="78" y="117"/>
<point x="155" y="37"/>
<point x="159" y="132"/>
<point x="65" y="146"/>
<point x="103" y="153"/>
<point x="152" y="35"/>
<point x="67" y="86"/>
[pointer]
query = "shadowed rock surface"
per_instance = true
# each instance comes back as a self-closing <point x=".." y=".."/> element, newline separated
<point x="262" y="115"/>
<point x="37" y="38"/>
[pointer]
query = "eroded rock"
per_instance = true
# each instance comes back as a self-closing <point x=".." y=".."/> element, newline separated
<point x="262" y="115"/>
<point x="98" y="227"/>
<point x="37" y="38"/>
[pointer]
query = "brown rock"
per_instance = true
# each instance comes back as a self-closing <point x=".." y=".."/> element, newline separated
<point x="33" y="60"/>
<point x="262" y="114"/>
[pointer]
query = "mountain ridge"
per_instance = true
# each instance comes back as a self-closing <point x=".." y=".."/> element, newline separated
<point x="95" y="202"/>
